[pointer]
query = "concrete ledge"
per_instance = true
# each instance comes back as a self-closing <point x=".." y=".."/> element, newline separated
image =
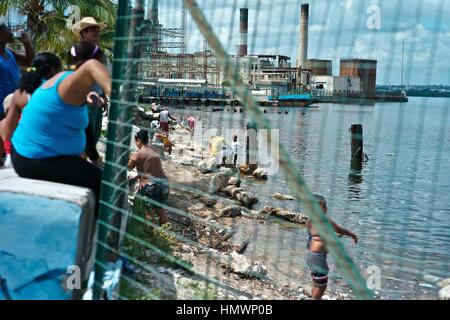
<point x="11" y="182"/>
<point x="45" y="228"/>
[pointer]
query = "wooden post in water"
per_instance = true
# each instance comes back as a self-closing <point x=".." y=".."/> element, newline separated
<point x="247" y="147"/>
<point x="357" y="147"/>
<point x="251" y="146"/>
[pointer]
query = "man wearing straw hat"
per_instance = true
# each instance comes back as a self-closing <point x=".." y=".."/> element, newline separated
<point x="88" y="29"/>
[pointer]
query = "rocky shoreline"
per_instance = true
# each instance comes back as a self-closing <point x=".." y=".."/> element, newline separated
<point x="206" y="239"/>
<point x="211" y="205"/>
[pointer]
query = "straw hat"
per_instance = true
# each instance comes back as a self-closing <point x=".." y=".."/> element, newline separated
<point x="86" y="23"/>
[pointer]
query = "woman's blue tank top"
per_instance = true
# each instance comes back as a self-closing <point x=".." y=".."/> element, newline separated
<point x="49" y="127"/>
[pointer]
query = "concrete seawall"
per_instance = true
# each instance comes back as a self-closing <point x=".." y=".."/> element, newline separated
<point x="46" y="237"/>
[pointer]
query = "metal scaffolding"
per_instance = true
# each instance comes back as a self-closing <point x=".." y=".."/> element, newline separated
<point x="160" y="62"/>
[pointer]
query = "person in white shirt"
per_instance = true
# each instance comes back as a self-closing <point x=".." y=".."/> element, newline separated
<point x="164" y="118"/>
<point x="236" y="147"/>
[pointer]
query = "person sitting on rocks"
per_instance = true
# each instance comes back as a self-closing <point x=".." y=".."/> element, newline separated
<point x="153" y="182"/>
<point x="316" y="256"/>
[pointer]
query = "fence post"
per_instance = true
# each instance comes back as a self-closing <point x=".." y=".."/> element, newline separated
<point x="119" y="130"/>
<point x="357" y="147"/>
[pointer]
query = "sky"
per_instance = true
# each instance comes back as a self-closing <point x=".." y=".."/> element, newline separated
<point x="373" y="29"/>
<point x="338" y="29"/>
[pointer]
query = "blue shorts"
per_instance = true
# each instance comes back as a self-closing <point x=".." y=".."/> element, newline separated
<point x="156" y="190"/>
<point x="317" y="263"/>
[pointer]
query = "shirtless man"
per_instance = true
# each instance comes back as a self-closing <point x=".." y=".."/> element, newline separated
<point x="148" y="164"/>
<point x="316" y="256"/>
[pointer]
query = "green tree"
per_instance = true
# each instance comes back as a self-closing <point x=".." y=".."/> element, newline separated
<point x="47" y="21"/>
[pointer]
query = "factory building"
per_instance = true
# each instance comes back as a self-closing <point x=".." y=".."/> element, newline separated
<point x="339" y="86"/>
<point x="364" y="69"/>
<point x="272" y="74"/>
<point x="320" y="67"/>
<point x="195" y="66"/>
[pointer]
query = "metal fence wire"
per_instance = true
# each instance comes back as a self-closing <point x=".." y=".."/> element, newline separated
<point x="194" y="257"/>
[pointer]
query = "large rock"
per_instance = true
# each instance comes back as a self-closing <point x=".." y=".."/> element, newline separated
<point x="285" y="214"/>
<point x="444" y="293"/>
<point x="252" y="214"/>
<point x="281" y="196"/>
<point x="207" y="166"/>
<point x="234" y="181"/>
<point x="203" y="167"/>
<point x="247" y="199"/>
<point x="247" y="169"/>
<point x="240" y="264"/>
<point x="230" y="211"/>
<point x="207" y="201"/>
<point x="444" y="283"/>
<point x="219" y="180"/>
<point x="240" y="195"/>
<point x="260" y="174"/>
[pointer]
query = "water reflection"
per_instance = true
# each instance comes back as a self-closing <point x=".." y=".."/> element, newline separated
<point x="355" y="181"/>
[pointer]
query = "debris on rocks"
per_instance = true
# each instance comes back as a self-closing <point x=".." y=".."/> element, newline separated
<point x="281" y="196"/>
<point x="286" y="215"/>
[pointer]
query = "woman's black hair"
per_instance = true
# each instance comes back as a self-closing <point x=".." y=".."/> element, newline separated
<point x="44" y="66"/>
<point x="142" y="135"/>
<point x="83" y="51"/>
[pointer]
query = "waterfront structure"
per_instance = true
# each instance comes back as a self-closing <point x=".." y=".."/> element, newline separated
<point x="364" y="69"/>
<point x="340" y="86"/>
<point x="320" y="67"/>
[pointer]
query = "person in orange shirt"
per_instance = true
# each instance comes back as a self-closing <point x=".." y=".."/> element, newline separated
<point x="168" y="144"/>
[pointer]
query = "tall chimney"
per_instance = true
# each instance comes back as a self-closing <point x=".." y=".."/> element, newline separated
<point x="243" y="30"/>
<point x="303" y="43"/>
<point x="152" y="12"/>
<point x="152" y="16"/>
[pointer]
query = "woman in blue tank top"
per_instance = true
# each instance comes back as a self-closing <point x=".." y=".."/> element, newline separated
<point x="50" y="137"/>
<point x="45" y="65"/>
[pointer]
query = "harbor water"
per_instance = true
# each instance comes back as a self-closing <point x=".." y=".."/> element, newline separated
<point x="399" y="206"/>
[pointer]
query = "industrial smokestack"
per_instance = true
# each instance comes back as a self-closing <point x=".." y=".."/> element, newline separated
<point x="152" y="16"/>
<point x="243" y="29"/>
<point x="303" y="43"/>
<point x="152" y="12"/>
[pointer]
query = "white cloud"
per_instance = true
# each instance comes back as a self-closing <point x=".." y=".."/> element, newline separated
<point x="320" y="27"/>
<point x="338" y="28"/>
